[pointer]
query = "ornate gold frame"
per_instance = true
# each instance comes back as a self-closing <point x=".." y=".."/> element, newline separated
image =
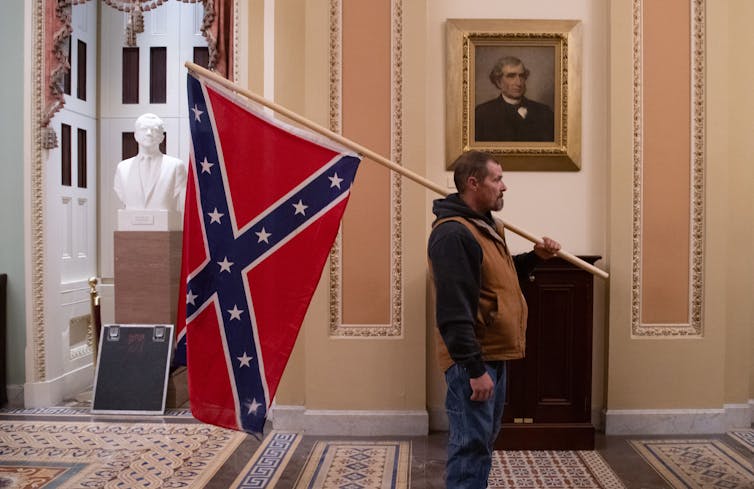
<point x="463" y="37"/>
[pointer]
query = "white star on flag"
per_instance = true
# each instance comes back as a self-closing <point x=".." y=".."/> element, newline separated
<point x="263" y="236"/>
<point x="245" y="359"/>
<point x="215" y="216"/>
<point x="206" y="165"/>
<point x="225" y="265"/>
<point x="197" y="113"/>
<point x="335" y="181"/>
<point x="300" y="207"/>
<point x="253" y="406"/>
<point x="190" y="296"/>
<point x="235" y="313"/>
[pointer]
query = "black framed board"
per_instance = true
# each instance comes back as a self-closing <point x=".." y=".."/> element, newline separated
<point x="133" y="365"/>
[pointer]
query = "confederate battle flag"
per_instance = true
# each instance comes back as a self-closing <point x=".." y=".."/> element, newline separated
<point x="263" y="204"/>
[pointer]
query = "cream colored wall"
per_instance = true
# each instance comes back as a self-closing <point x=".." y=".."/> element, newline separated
<point x="734" y="91"/>
<point x="568" y="206"/>
<point x="715" y="369"/>
<point x="588" y="211"/>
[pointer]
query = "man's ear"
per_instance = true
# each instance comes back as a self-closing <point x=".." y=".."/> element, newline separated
<point x="472" y="183"/>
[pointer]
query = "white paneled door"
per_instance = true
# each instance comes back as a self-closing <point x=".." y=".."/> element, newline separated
<point x="109" y="86"/>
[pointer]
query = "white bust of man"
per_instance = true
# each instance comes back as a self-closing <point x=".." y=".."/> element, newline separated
<point x="150" y="180"/>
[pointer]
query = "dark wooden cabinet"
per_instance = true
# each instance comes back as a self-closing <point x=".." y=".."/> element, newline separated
<point x="548" y="405"/>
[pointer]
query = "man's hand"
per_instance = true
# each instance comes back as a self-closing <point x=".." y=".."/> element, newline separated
<point x="548" y="249"/>
<point x="481" y="387"/>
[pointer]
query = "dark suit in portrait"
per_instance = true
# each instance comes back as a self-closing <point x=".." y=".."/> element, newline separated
<point x="497" y="120"/>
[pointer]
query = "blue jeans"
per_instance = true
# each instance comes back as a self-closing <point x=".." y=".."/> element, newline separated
<point x="473" y="427"/>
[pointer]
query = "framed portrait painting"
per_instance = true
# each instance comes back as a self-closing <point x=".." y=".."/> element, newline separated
<point x="513" y="89"/>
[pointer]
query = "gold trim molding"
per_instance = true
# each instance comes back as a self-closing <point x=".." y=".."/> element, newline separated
<point x="395" y="328"/>
<point x="37" y="182"/>
<point x="696" y="265"/>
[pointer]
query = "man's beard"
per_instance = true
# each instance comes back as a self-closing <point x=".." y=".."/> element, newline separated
<point x="499" y="204"/>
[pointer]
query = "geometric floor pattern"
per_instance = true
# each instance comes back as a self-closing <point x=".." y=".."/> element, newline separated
<point x="67" y="454"/>
<point x="697" y="464"/>
<point x="357" y="465"/>
<point x="548" y="469"/>
<point x="744" y="437"/>
<point x="268" y="462"/>
<point x="69" y="448"/>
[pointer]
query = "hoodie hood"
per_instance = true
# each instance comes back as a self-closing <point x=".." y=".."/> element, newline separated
<point x="453" y="206"/>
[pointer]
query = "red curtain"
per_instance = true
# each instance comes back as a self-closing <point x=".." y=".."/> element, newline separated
<point x="57" y="35"/>
<point x="217" y="27"/>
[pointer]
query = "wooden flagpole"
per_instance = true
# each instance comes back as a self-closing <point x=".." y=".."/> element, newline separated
<point x="374" y="156"/>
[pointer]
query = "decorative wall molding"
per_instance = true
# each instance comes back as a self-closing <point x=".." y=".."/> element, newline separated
<point x="36" y="330"/>
<point x="395" y="328"/>
<point x="82" y="322"/>
<point x="696" y="265"/>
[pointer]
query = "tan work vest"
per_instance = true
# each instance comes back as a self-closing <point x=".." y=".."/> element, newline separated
<point x="500" y="325"/>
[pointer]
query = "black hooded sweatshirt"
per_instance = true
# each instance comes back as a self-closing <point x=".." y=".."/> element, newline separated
<point x="456" y="260"/>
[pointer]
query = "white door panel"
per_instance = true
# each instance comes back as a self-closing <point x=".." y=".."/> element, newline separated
<point x="176" y="26"/>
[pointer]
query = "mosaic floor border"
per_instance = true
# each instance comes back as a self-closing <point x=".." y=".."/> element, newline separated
<point x="268" y="462"/>
<point x="357" y="464"/>
<point x="744" y="437"/>
<point x="84" y="411"/>
<point x="551" y="469"/>
<point x="696" y="463"/>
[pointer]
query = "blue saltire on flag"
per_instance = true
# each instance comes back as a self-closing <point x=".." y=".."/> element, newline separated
<point x="264" y="202"/>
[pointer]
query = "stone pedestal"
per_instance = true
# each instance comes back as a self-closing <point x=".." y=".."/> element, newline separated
<point x="177" y="395"/>
<point x="147" y="271"/>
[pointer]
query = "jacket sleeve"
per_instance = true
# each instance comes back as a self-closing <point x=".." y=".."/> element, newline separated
<point x="456" y="260"/>
<point x="525" y="263"/>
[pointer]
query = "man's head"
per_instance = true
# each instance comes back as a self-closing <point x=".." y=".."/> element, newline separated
<point x="479" y="181"/>
<point x="149" y="130"/>
<point x="509" y="75"/>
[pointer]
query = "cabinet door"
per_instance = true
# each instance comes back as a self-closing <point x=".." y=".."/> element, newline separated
<point x="553" y="383"/>
<point x="557" y="368"/>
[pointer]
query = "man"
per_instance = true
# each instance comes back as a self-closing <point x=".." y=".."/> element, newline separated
<point x="150" y="180"/>
<point x="481" y="313"/>
<point x="512" y="116"/>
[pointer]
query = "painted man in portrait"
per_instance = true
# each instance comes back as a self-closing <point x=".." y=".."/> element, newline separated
<point x="511" y="116"/>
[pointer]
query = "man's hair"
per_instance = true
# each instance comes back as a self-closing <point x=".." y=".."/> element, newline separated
<point x="471" y="164"/>
<point x="497" y="71"/>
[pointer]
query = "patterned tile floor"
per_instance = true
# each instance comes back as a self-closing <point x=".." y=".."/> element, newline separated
<point x="281" y="462"/>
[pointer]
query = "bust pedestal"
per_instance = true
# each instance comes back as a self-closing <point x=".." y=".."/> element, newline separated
<point x="147" y="248"/>
<point x="147" y="272"/>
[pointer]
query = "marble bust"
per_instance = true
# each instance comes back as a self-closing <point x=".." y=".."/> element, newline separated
<point x="151" y="180"/>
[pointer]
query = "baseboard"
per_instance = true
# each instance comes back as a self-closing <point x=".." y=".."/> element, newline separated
<point x="598" y="419"/>
<point x="51" y="392"/>
<point x="15" y="396"/>
<point x="349" y="423"/>
<point x="676" y="421"/>
<point x="438" y="419"/>
<point x="751" y="411"/>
